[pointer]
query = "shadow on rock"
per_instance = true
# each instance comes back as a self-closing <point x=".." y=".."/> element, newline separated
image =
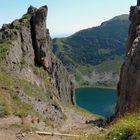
<point x="103" y="122"/>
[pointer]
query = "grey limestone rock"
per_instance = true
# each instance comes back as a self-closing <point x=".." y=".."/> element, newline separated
<point x="30" y="49"/>
<point x="129" y="83"/>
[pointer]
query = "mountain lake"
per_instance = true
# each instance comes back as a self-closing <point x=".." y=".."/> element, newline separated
<point x="99" y="101"/>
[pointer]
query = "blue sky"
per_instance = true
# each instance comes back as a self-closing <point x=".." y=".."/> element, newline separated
<point x="67" y="16"/>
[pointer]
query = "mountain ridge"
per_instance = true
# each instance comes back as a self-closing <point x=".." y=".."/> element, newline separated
<point x="95" y="46"/>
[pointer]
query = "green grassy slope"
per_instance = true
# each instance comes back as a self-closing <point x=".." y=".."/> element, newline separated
<point x="99" y="48"/>
<point x="126" y="128"/>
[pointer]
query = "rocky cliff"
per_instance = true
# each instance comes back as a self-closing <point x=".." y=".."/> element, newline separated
<point x="30" y="71"/>
<point x="129" y="84"/>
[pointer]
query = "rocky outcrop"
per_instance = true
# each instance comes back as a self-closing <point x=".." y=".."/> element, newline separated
<point x="26" y="55"/>
<point x="129" y="84"/>
<point x="138" y="2"/>
<point x="38" y="31"/>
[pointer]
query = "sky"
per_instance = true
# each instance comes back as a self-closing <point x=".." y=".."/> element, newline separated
<point x="67" y="16"/>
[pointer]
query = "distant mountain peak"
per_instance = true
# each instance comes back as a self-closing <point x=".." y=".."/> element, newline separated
<point x="121" y="17"/>
<point x="124" y="17"/>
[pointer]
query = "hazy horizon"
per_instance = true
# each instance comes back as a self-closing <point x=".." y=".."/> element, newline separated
<point x="67" y="17"/>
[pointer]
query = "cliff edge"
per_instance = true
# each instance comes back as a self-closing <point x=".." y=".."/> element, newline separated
<point x="129" y="83"/>
<point x="34" y="84"/>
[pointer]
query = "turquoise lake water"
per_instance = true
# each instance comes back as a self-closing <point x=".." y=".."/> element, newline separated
<point x="97" y="100"/>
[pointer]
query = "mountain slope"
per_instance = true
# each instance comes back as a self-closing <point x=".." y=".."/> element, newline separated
<point x="95" y="54"/>
<point x="34" y="85"/>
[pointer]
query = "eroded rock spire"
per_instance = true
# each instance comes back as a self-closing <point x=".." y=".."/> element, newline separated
<point x="31" y="9"/>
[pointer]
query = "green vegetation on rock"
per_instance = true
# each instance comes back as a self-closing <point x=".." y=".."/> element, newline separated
<point x="10" y="102"/>
<point x="126" y="128"/>
<point x="3" y="49"/>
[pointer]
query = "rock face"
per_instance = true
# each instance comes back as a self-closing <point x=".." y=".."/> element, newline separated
<point x="129" y="84"/>
<point x="38" y="31"/>
<point x="138" y="2"/>
<point x="26" y="44"/>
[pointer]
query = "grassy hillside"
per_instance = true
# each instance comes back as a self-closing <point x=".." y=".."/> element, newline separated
<point x="99" y="49"/>
<point x="126" y="128"/>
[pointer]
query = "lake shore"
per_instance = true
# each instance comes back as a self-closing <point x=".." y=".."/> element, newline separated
<point x="100" y="87"/>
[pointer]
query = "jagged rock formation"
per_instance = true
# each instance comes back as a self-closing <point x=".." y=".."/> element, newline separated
<point x="25" y="54"/>
<point x="129" y="84"/>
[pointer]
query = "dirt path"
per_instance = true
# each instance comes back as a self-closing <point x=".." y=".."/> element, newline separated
<point x="13" y="135"/>
<point x="74" y="125"/>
